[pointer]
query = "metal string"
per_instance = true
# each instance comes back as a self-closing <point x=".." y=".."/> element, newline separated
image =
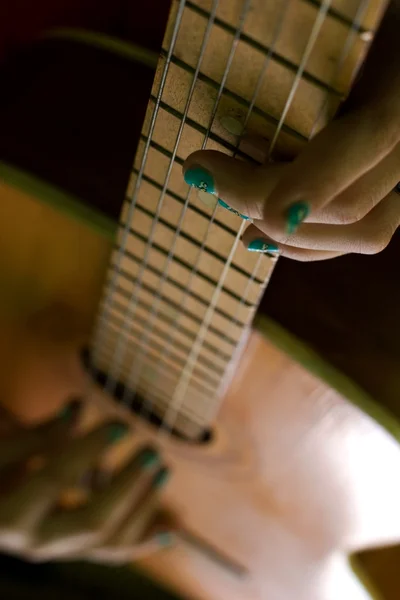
<point x="181" y="389"/>
<point x="133" y="380"/>
<point x="357" y="19"/>
<point x="183" y="385"/>
<point x="267" y="59"/>
<point x="116" y="269"/>
<point x="123" y="337"/>
<point x="297" y="79"/>
<point x="360" y="13"/>
<point x="325" y="5"/>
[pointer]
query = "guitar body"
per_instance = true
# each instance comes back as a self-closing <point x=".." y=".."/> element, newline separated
<point x="291" y="480"/>
<point x="288" y="482"/>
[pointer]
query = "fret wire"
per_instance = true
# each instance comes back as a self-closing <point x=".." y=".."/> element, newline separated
<point x="128" y="277"/>
<point x="235" y="42"/>
<point x="162" y="402"/>
<point x="119" y="308"/>
<point x="162" y="150"/>
<point x="265" y="66"/>
<point x="176" y="358"/>
<point x="358" y="16"/>
<point x="258" y="111"/>
<point x="177" y="402"/>
<point x="193" y="207"/>
<point x="167" y="425"/>
<point x="360" y="13"/>
<point x="202" y="388"/>
<point x="201" y="129"/>
<point x="189" y="238"/>
<point x="278" y="58"/>
<point x="220" y="396"/>
<point x="110" y="292"/>
<point x="120" y="291"/>
<point x="185" y="264"/>
<point x="182" y="387"/>
<point x="310" y="45"/>
<point x="160" y="334"/>
<point x="119" y="355"/>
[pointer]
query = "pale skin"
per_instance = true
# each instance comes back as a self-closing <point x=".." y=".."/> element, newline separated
<point x="346" y="174"/>
<point x="116" y="521"/>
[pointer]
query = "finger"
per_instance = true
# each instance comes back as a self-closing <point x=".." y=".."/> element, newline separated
<point x="24" y="508"/>
<point x="119" y="555"/>
<point x="239" y="185"/>
<point x="368" y="236"/>
<point x="255" y="241"/>
<point x="139" y="533"/>
<point x="330" y="163"/>
<point x="143" y="515"/>
<point x="68" y="532"/>
<point x="363" y="195"/>
<point x="24" y="443"/>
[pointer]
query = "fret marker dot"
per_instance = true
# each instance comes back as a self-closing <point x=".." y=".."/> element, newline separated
<point x="207" y="199"/>
<point x="366" y="36"/>
<point x="232" y="125"/>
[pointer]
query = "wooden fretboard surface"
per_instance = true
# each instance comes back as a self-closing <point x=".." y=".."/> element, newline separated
<point x="158" y="334"/>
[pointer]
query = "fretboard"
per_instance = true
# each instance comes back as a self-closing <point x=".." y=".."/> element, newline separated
<point x="181" y="289"/>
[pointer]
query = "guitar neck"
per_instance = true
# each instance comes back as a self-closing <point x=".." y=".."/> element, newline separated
<point x="181" y="290"/>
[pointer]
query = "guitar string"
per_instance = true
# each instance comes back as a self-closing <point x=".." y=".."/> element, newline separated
<point x="136" y="373"/>
<point x="354" y="33"/>
<point x="170" y="53"/>
<point x="172" y="412"/>
<point x="321" y="16"/>
<point x="138" y="370"/>
<point x="167" y="348"/>
<point x="357" y="21"/>
<point x="108" y="300"/>
<point x="125" y="330"/>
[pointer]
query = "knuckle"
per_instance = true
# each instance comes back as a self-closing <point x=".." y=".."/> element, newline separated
<point x="376" y="241"/>
<point x="348" y="216"/>
<point x="348" y="210"/>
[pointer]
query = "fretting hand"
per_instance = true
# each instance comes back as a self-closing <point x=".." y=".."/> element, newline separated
<point x="340" y="194"/>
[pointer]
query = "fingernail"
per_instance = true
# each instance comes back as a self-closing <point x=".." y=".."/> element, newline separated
<point x="161" y="477"/>
<point x="165" y="538"/>
<point x="232" y="210"/>
<point x="149" y="458"/>
<point x="295" y="215"/>
<point x="200" y="178"/>
<point x="117" y="431"/>
<point x="263" y="246"/>
<point x="71" y="411"/>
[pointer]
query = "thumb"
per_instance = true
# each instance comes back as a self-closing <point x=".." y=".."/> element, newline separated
<point x="234" y="183"/>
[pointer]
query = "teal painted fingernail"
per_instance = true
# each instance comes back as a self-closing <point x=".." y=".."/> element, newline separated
<point x="149" y="458"/>
<point x="161" y="478"/>
<point x="117" y="431"/>
<point x="164" y="538"/>
<point x="200" y="178"/>
<point x="232" y="210"/>
<point x="295" y="215"/>
<point x="263" y="246"/>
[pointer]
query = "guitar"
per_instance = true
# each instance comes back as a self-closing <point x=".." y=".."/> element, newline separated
<point x="145" y="303"/>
